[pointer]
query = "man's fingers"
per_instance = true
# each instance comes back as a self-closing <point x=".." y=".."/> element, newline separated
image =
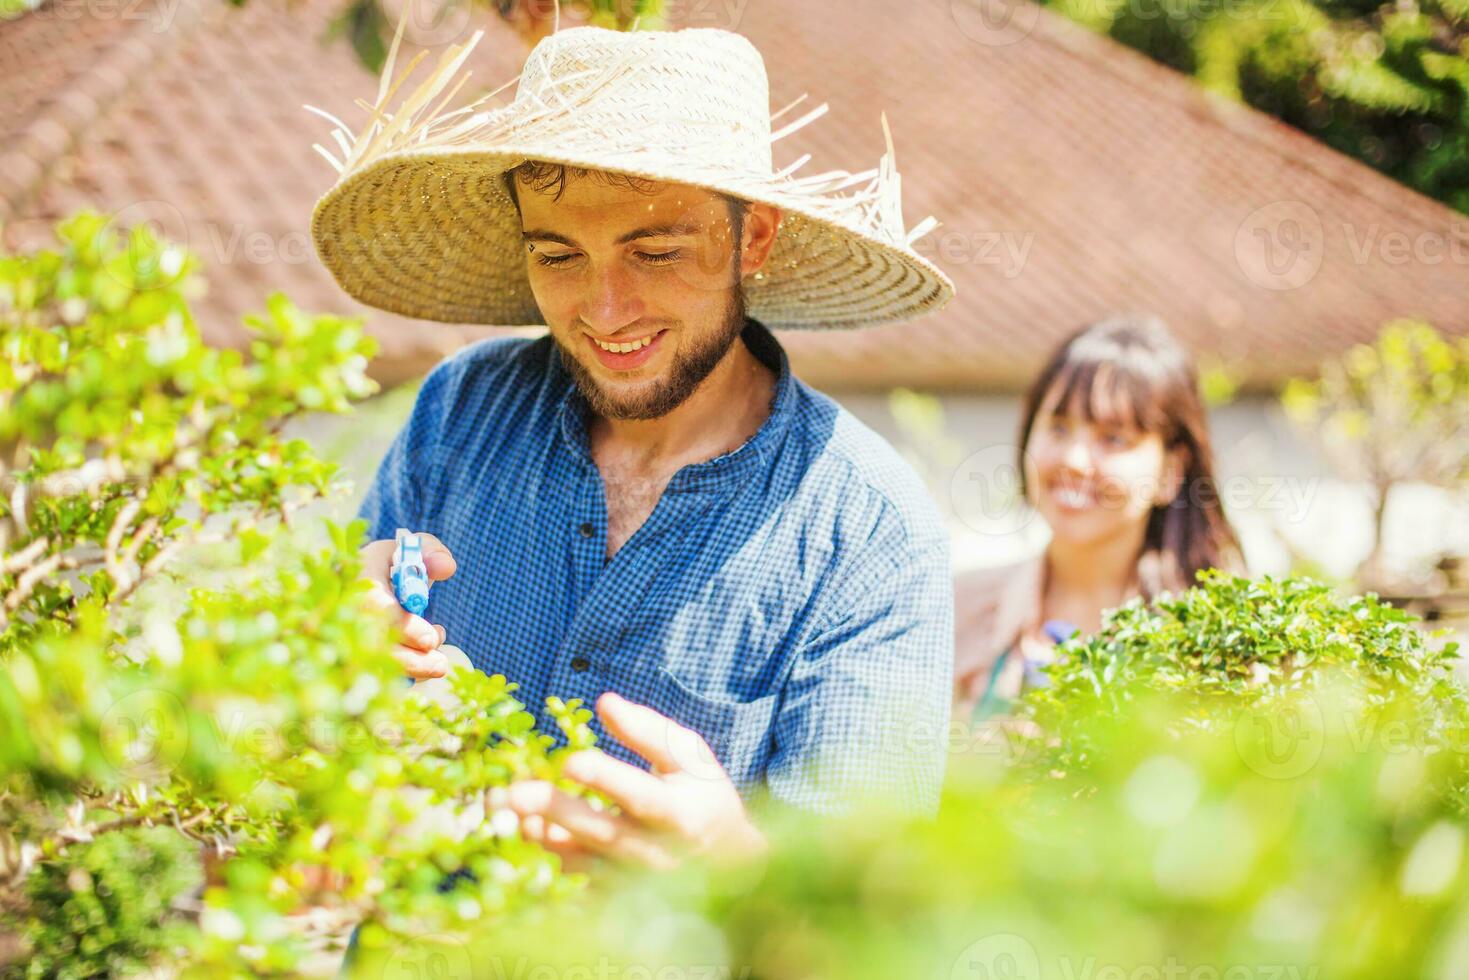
<point x="594" y="830"/>
<point x="640" y="793"/>
<point x="668" y="746"/>
<point x="558" y="840"/>
<point x="377" y="560"/>
<point x="539" y="798"/>
<point x="414" y="630"/>
<point x="420" y="633"/>
<point x="436" y="557"/>
<point x="421" y="665"/>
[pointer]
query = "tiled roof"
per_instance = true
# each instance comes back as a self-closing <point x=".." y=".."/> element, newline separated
<point x="1130" y="187"/>
<point x="199" y="128"/>
<point x="1073" y="177"/>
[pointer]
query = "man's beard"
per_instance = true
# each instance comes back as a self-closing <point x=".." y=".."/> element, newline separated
<point x="667" y="393"/>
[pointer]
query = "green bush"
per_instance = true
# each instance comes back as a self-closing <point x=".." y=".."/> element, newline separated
<point x="108" y="907"/>
<point x="1258" y="659"/>
<point x="177" y="652"/>
<point x="1172" y="818"/>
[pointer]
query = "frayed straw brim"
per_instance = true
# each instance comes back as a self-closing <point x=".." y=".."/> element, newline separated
<point x="421" y="224"/>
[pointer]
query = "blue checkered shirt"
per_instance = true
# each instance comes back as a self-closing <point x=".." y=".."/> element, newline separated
<point x="789" y="600"/>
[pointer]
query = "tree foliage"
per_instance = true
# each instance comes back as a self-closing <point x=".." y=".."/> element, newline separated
<point x="1391" y="412"/>
<point x="367" y="27"/>
<point x="1386" y="83"/>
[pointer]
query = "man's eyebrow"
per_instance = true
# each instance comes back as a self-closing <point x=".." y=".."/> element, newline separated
<point x="671" y="230"/>
<point x="537" y="235"/>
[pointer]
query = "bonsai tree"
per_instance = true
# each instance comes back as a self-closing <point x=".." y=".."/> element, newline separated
<point x="201" y="732"/>
<point x="1391" y="412"/>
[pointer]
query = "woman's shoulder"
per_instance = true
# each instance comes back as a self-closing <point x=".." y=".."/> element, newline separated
<point x="1000" y="585"/>
<point x="992" y="606"/>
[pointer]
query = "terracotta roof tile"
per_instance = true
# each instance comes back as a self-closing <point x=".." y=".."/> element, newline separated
<point x="1073" y="178"/>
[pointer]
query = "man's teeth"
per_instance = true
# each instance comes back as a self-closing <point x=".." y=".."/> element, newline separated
<point x="627" y="348"/>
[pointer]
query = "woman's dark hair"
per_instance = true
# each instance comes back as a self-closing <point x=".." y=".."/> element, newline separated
<point x="1134" y="363"/>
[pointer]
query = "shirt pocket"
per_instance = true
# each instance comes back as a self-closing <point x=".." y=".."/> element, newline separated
<point x="738" y="732"/>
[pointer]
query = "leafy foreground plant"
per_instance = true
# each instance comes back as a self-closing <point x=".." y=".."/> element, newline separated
<point x="1280" y="665"/>
<point x="182" y="678"/>
<point x="1176" y="818"/>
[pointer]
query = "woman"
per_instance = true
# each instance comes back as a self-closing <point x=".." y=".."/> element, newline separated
<point x="1115" y="455"/>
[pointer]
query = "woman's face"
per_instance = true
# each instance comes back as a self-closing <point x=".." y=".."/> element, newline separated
<point x="1095" y="481"/>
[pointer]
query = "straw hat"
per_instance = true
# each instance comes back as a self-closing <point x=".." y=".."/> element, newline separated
<point x="420" y="221"/>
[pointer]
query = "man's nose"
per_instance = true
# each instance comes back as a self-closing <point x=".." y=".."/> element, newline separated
<point x="611" y="302"/>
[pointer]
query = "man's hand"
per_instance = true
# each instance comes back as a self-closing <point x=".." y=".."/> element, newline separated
<point x="685" y="806"/>
<point x="419" y="650"/>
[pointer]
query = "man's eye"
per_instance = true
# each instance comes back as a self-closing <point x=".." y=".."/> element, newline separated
<point x="561" y="259"/>
<point x="661" y="258"/>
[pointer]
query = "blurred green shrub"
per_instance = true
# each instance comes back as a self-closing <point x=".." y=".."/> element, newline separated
<point x="1395" y="411"/>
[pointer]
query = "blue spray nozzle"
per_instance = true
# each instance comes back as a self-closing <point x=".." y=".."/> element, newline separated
<point x="409" y="573"/>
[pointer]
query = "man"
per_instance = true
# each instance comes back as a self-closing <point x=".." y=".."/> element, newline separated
<point x="644" y="508"/>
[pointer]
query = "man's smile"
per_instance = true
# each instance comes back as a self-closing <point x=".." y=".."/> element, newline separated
<point x="625" y="355"/>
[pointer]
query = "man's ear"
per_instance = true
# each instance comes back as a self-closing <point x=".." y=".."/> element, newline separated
<point x="762" y="222"/>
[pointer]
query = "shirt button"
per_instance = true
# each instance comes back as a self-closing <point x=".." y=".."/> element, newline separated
<point x="587" y="530"/>
<point x="580" y="663"/>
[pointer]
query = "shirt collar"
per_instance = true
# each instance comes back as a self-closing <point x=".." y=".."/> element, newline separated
<point x="722" y="470"/>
